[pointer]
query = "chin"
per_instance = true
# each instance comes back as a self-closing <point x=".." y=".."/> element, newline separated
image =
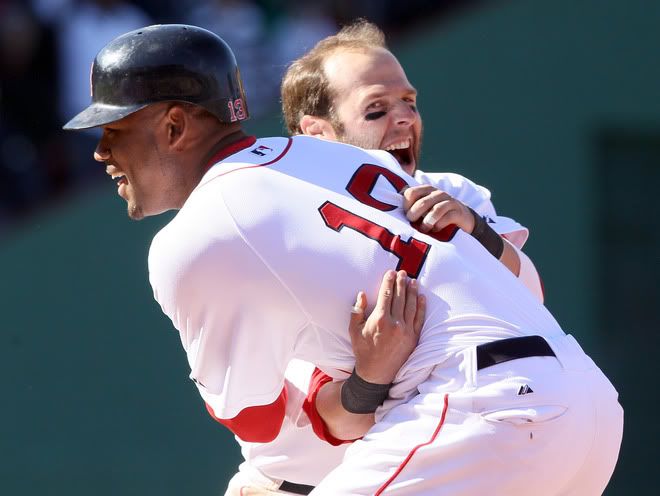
<point x="135" y="212"/>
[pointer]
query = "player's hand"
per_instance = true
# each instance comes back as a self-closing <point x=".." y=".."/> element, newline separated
<point x="384" y="341"/>
<point x="435" y="209"/>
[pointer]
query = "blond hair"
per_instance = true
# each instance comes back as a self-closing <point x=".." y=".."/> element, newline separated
<point x="305" y="87"/>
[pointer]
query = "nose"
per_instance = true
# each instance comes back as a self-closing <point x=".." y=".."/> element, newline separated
<point x="101" y="153"/>
<point x="405" y="115"/>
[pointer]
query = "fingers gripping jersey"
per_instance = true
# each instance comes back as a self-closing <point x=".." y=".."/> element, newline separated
<point x="263" y="260"/>
<point x="478" y="198"/>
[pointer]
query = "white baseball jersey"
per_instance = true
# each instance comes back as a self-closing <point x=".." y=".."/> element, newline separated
<point x="265" y="256"/>
<point x="262" y="262"/>
<point x="297" y="454"/>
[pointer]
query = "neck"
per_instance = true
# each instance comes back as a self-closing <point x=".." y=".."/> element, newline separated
<point x="198" y="161"/>
<point x="223" y="142"/>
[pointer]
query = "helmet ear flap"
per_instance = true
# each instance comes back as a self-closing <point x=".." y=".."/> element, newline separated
<point x="168" y="62"/>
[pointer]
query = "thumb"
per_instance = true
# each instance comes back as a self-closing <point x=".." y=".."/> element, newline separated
<point x="358" y="312"/>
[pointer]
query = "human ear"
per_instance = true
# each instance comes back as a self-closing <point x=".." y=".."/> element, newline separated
<point x="317" y="126"/>
<point x="176" y="126"/>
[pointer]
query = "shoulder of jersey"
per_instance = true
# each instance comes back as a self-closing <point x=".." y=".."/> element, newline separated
<point x="268" y="151"/>
<point x="450" y="181"/>
<point x="380" y="156"/>
<point x="440" y="177"/>
<point x="262" y="152"/>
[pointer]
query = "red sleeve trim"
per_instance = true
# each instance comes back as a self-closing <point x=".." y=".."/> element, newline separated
<point x="309" y="407"/>
<point x="256" y="424"/>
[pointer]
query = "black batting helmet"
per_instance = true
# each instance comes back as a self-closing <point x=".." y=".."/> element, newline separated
<point x="167" y="62"/>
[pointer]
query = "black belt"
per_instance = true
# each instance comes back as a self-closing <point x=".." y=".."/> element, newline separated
<point x="292" y="487"/>
<point x="510" y="349"/>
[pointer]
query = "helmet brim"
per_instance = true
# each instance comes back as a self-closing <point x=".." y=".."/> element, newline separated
<point x="99" y="114"/>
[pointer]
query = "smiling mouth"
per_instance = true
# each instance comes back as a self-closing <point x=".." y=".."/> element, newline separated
<point x="119" y="180"/>
<point x="402" y="152"/>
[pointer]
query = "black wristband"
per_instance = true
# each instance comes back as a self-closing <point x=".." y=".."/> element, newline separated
<point x="487" y="236"/>
<point x="360" y="396"/>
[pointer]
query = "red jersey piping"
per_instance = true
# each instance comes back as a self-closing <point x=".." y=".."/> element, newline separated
<point x="252" y="166"/>
<point x="284" y="152"/>
<point x="235" y="147"/>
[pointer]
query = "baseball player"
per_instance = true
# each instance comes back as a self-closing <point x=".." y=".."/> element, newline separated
<point x="371" y="108"/>
<point x="265" y="254"/>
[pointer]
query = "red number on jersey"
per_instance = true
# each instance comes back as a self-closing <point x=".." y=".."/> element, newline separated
<point x="363" y="181"/>
<point x="411" y="254"/>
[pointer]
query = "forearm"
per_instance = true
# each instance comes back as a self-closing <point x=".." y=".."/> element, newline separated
<point x="382" y="343"/>
<point x="523" y="268"/>
<point x="510" y="258"/>
<point x="529" y="276"/>
<point x="496" y="244"/>
<point x="339" y="422"/>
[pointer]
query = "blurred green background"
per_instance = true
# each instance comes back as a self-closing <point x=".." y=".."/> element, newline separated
<point x="554" y="106"/>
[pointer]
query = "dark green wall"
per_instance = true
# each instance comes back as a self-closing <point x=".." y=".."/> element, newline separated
<point x="95" y="388"/>
<point x="518" y="96"/>
<point x="96" y="398"/>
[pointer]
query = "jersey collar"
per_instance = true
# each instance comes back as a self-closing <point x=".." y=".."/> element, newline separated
<point x="235" y="147"/>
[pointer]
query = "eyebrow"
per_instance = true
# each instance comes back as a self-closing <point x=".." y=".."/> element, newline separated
<point x="381" y="93"/>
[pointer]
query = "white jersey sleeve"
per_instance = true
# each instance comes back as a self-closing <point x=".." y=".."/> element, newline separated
<point x="203" y="273"/>
<point x="478" y="198"/>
